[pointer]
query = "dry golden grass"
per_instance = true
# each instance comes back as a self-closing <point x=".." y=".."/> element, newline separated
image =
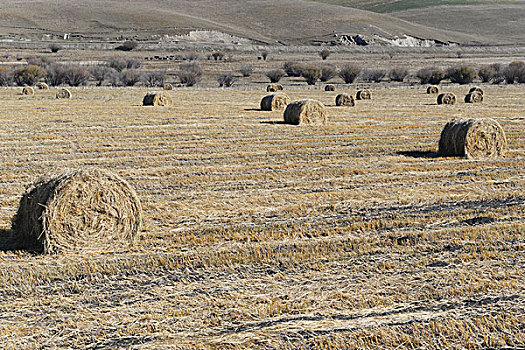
<point x="264" y="235"/>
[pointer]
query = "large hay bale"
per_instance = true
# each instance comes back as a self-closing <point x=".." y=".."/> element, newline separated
<point x="344" y="100"/>
<point x="472" y="138"/>
<point x="474" y="97"/>
<point x="83" y="210"/>
<point x="432" y="90"/>
<point x="63" y="93"/>
<point x="364" y="94"/>
<point x="476" y="89"/>
<point x="168" y="86"/>
<point x="309" y="112"/>
<point x="274" y="88"/>
<point x="28" y="90"/>
<point x="42" y="86"/>
<point x="159" y="98"/>
<point x="329" y="87"/>
<point x="277" y="101"/>
<point x="446" y="98"/>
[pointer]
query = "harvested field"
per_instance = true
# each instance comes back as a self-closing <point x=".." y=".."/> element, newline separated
<point x="263" y="235"/>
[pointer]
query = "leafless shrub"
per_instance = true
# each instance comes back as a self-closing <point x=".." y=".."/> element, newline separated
<point x="41" y="61"/>
<point x="54" y="47"/>
<point x="191" y="56"/>
<point x="486" y="73"/>
<point x="349" y="73"/>
<point x="462" y="74"/>
<point x="311" y="74"/>
<point x="56" y="74"/>
<point x="328" y="72"/>
<point x="130" y="77"/>
<point x="324" y="54"/>
<point x="154" y="78"/>
<point x="76" y="75"/>
<point x="373" y="75"/>
<point x="246" y="70"/>
<point x="226" y="79"/>
<point x="293" y="69"/>
<point x="430" y="75"/>
<point x="127" y="45"/>
<point x="274" y="75"/>
<point x="218" y="55"/>
<point x="515" y="72"/>
<point x="99" y="72"/>
<point x="28" y="75"/>
<point x="6" y="76"/>
<point x="398" y="74"/>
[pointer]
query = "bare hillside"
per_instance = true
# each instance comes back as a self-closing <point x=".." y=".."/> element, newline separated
<point x="497" y="23"/>
<point x="287" y="21"/>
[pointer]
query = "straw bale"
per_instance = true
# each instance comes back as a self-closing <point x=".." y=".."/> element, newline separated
<point x="274" y="88"/>
<point x="344" y="100"/>
<point x="446" y="98"/>
<point x="432" y="89"/>
<point x="82" y="210"/>
<point x="63" y="93"/>
<point x="474" y="97"/>
<point x="308" y="112"/>
<point x="473" y="138"/>
<point x="364" y="94"/>
<point x="28" y="90"/>
<point x="159" y="98"/>
<point x="277" y="101"/>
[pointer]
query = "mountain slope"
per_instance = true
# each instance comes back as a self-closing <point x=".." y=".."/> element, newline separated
<point x="288" y="21"/>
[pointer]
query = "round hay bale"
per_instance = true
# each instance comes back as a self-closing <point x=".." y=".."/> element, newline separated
<point x="476" y="89"/>
<point x="473" y="138"/>
<point x="160" y="98"/>
<point x="308" y="112"/>
<point x="42" y="86"/>
<point x="168" y="86"/>
<point x="64" y="93"/>
<point x="329" y="87"/>
<point x="446" y="98"/>
<point x="83" y="210"/>
<point x="364" y="94"/>
<point x="344" y="100"/>
<point x="432" y="90"/>
<point x="28" y="90"/>
<point x="274" y="88"/>
<point x="474" y="97"/>
<point x="277" y="101"/>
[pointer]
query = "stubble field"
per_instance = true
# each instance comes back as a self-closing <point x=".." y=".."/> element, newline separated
<point x="263" y="235"/>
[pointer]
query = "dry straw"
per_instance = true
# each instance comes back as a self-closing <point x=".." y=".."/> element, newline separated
<point x="473" y="138"/>
<point x="277" y="101"/>
<point x="474" y="97"/>
<point x="83" y="210"/>
<point x="432" y="90"/>
<point x="364" y="94"/>
<point x="329" y="87"/>
<point x="168" y="86"/>
<point x="344" y="100"/>
<point x="63" y="93"/>
<point x="446" y="98"/>
<point x="274" y="88"/>
<point x="308" y="112"/>
<point x="160" y="98"/>
<point x="476" y="89"/>
<point x="42" y="86"/>
<point x="28" y="90"/>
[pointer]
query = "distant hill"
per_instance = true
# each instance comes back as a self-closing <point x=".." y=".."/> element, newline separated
<point x="388" y="6"/>
<point x="269" y="21"/>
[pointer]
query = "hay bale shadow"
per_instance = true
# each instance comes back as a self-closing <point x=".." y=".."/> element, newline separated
<point x="419" y="154"/>
<point x="273" y="122"/>
<point x="253" y="109"/>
